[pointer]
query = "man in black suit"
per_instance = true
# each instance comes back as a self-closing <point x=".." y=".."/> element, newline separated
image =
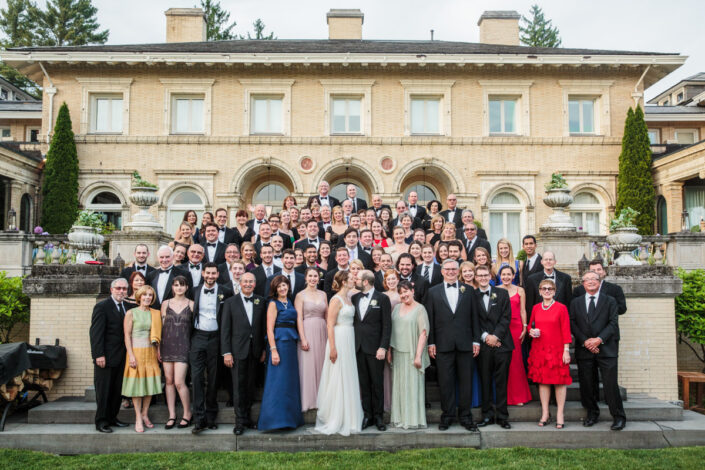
<point x="564" y="284"/>
<point x="297" y="282"/>
<point x="406" y="266"/>
<point x="108" y="353"/>
<point x="373" y="329"/>
<point x="468" y="217"/>
<point x="414" y="209"/>
<point x="194" y="264"/>
<point x="274" y="221"/>
<point x="429" y="269"/>
<point x="471" y="241"/>
<point x="161" y="279"/>
<point x="494" y="314"/>
<point x="242" y="335"/>
<point x="323" y="198"/>
<point x="385" y="262"/>
<point x="310" y="256"/>
<point x="342" y="260"/>
<point x="532" y="265"/>
<point x="402" y="210"/>
<point x="454" y="340"/>
<point x="595" y="326"/>
<point x="358" y="204"/>
<point x="226" y="234"/>
<point x="265" y="270"/>
<point x="214" y="250"/>
<point x="259" y="213"/>
<point x="312" y="236"/>
<point x="453" y="213"/>
<point x="141" y="254"/>
<point x="355" y="251"/>
<point x="232" y="253"/>
<point x="377" y="204"/>
<point x="205" y="342"/>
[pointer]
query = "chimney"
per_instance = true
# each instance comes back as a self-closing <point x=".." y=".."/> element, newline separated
<point x="499" y="27"/>
<point x="345" y="23"/>
<point x="185" y="25"/>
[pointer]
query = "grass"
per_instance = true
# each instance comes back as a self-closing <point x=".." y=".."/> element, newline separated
<point x="515" y="458"/>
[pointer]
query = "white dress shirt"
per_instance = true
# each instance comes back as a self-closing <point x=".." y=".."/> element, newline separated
<point x="452" y="295"/>
<point x="324" y="200"/>
<point x="353" y="253"/>
<point x="268" y="270"/>
<point x="451" y="215"/>
<point x="412" y="210"/>
<point x="486" y="301"/>
<point x="207" y="310"/>
<point x="430" y="271"/>
<point x="248" y="307"/>
<point x="195" y="274"/>
<point x="142" y="268"/>
<point x="221" y="234"/>
<point x="161" y="283"/>
<point x="532" y="260"/>
<point x="587" y="300"/>
<point x="292" y="280"/>
<point x="365" y="303"/>
<point x="211" y="250"/>
<point x="255" y="225"/>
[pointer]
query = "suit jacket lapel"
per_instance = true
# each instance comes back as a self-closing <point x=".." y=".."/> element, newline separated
<point x="445" y="298"/>
<point x="241" y="307"/>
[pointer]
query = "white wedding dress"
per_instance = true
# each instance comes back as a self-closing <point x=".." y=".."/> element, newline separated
<point x="339" y="406"/>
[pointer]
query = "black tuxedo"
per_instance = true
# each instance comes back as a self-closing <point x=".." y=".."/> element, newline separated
<point x="331" y="200"/>
<point x="153" y="280"/>
<point x="564" y="289"/>
<point x="420" y="286"/>
<point x="303" y="244"/>
<point x="251" y="225"/>
<point x="373" y="330"/>
<point x="420" y="212"/>
<point x="261" y="278"/>
<point x="453" y="330"/>
<point x="613" y="290"/>
<point x="415" y="223"/>
<point x="383" y="206"/>
<point x="219" y="256"/>
<point x="603" y="324"/>
<point x="223" y="273"/>
<point x="477" y="242"/>
<point x="362" y="255"/>
<point x="328" y="281"/>
<point x="457" y="217"/>
<point x="526" y="272"/>
<point x="232" y="235"/>
<point x="358" y="204"/>
<point x="321" y="274"/>
<point x="460" y="232"/>
<point x="494" y="361"/>
<point x="204" y="359"/>
<point x="128" y="270"/>
<point x="436" y="276"/>
<point x="108" y="340"/>
<point x="299" y="283"/>
<point x="245" y="341"/>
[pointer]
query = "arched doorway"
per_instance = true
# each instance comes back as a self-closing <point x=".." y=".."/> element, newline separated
<point x="661" y="216"/>
<point x="107" y="203"/>
<point x="25" y="222"/>
<point x="339" y="190"/>
<point x="272" y="195"/>
<point x="425" y="190"/>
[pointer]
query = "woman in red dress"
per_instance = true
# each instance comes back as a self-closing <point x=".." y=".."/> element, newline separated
<point x="518" y="391"/>
<point x="549" y="358"/>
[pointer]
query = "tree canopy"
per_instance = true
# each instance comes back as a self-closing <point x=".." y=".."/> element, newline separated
<point x="217" y="27"/>
<point x="537" y="31"/>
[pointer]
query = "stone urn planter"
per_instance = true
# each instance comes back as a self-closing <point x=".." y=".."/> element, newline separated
<point x="84" y="240"/>
<point x="624" y="240"/>
<point x="558" y="199"/>
<point x="144" y="197"/>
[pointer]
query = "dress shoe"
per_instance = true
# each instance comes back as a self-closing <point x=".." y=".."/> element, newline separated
<point x="252" y="425"/>
<point x="198" y="429"/>
<point x="485" y="422"/>
<point x="618" y="424"/>
<point x="120" y="424"/>
<point x="590" y="422"/>
<point x="504" y="423"/>
<point x="238" y="430"/>
<point x="103" y="428"/>
<point x="470" y="426"/>
<point x="443" y="426"/>
<point x="380" y="425"/>
<point x="365" y="423"/>
<point x="212" y="426"/>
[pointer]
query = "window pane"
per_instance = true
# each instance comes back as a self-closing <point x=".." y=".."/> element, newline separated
<point x="353" y="115"/>
<point x="432" y="116"/>
<point x="6" y="132"/>
<point x="196" y="116"/>
<point x="505" y="198"/>
<point x="576" y="218"/>
<point x="685" y="137"/>
<point x="509" y="109"/>
<point x="259" y="118"/>
<point x="181" y="118"/>
<point x="592" y="223"/>
<point x="105" y="198"/>
<point x="496" y="230"/>
<point x="495" y="116"/>
<point x="116" y="117"/>
<point x="653" y="137"/>
<point x="588" y="116"/>
<point x="424" y="192"/>
<point x="339" y="108"/>
<point x="513" y="229"/>
<point x="275" y="116"/>
<point x="186" y="197"/>
<point x="338" y="124"/>
<point x="585" y="198"/>
<point x="102" y="114"/>
<point x="417" y="111"/>
<point x="574" y="116"/>
<point x="270" y="194"/>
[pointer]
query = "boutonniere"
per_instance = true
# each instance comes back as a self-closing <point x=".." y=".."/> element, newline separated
<point x="493" y="296"/>
<point x="220" y="297"/>
<point x="373" y="302"/>
<point x="320" y="274"/>
<point x="256" y="302"/>
<point x="462" y="289"/>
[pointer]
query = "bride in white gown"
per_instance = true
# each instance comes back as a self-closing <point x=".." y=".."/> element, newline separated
<point x="339" y="406"/>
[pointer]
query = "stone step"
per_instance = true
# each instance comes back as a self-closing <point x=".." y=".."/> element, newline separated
<point x="81" y="412"/>
<point x="82" y="438"/>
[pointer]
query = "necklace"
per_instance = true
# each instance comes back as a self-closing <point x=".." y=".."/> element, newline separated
<point x="547" y="307"/>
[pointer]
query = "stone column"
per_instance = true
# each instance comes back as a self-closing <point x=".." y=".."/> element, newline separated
<point x="124" y="243"/>
<point x="673" y="194"/>
<point x="568" y="247"/>
<point x="62" y="301"/>
<point x="647" y="350"/>
<point x="16" y="192"/>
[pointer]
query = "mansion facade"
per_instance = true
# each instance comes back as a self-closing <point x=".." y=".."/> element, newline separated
<point x="235" y="123"/>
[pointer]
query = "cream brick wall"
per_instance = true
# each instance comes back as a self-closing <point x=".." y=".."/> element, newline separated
<point x="647" y="353"/>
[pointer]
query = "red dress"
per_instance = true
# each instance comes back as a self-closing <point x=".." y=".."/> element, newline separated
<point x="517" y="385"/>
<point x="546" y="357"/>
<point x="382" y="242"/>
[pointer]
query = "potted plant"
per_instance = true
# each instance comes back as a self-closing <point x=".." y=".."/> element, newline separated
<point x="143" y="195"/>
<point x="558" y="198"/>
<point x="623" y="237"/>
<point x="85" y="236"/>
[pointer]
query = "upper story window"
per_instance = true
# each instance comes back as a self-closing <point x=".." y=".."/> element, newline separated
<point x="654" y="136"/>
<point x="586" y="107"/>
<point x="679" y="97"/>
<point x="425" y="115"/>
<point x="187" y="114"/>
<point x="686" y="136"/>
<point x="581" y="115"/>
<point x="267" y="115"/>
<point x="4" y="94"/>
<point x="503" y="115"/>
<point x="106" y="113"/>
<point x="346" y="115"/>
<point x="5" y="133"/>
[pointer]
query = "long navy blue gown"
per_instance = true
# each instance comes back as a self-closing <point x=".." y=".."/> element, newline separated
<point x="281" y="402"/>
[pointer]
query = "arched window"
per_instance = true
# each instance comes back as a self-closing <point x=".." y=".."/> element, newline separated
<point x="340" y="191"/>
<point x="585" y="213"/>
<point x="425" y="192"/>
<point x="107" y="203"/>
<point x="271" y="195"/>
<point x="661" y="216"/>
<point x="505" y="219"/>
<point x="26" y="213"/>
<point x="180" y="202"/>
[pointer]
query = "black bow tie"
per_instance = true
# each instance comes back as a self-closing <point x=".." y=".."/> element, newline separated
<point x="451" y="286"/>
<point x="324" y="197"/>
<point x="546" y="276"/>
<point x="277" y="256"/>
<point x="222" y="229"/>
<point x="194" y="266"/>
<point x="211" y="244"/>
<point x="313" y="241"/>
<point x="209" y="291"/>
<point x="248" y="299"/>
<point x="412" y="207"/>
<point x="487" y="292"/>
<point x="164" y="271"/>
<point x="365" y="295"/>
<point x="141" y="268"/>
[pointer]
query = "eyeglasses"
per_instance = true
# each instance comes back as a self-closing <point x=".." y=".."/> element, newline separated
<point x="120" y="288"/>
<point x="450" y="269"/>
<point x="482" y="275"/>
<point x="470" y="229"/>
<point x="547" y="289"/>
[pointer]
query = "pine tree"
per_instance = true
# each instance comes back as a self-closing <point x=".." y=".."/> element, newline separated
<point x="68" y="23"/>
<point x="16" y="26"/>
<point x="537" y="31"/>
<point x="217" y="28"/>
<point x="60" y="189"/>
<point x="635" y="187"/>
<point x="258" y="26"/>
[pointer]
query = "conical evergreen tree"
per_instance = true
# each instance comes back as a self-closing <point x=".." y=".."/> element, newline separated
<point x="537" y="31"/>
<point x="635" y="187"/>
<point x="60" y="190"/>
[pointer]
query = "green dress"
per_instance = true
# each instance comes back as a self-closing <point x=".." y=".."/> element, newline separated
<point x="408" y="384"/>
<point x="146" y="378"/>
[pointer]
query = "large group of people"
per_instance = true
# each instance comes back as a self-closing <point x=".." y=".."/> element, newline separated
<point x="340" y="307"/>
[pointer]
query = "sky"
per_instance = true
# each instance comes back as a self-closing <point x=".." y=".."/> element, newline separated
<point x="636" y="25"/>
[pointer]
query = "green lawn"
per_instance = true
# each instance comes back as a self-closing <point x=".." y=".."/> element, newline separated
<point x="518" y="458"/>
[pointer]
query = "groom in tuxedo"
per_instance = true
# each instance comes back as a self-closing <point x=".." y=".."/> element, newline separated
<point x="373" y="329"/>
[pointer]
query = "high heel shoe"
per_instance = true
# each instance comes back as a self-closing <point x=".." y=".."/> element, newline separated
<point x="544" y="423"/>
<point x="560" y="425"/>
<point x="188" y="423"/>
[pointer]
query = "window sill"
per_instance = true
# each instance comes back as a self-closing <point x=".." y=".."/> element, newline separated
<point x="266" y="134"/>
<point x="584" y="134"/>
<point x="106" y="133"/>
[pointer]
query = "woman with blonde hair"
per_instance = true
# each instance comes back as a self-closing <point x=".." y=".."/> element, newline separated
<point x="505" y="257"/>
<point x="248" y="252"/>
<point x="447" y="234"/>
<point x="466" y="274"/>
<point x="183" y="236"/>
<point x="400" y="246"/>
<point x="337" y="226"/>
<point x="482" y="258"/>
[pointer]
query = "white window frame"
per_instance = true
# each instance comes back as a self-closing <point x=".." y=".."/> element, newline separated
<point x="181" y="208"/>
<point x="580" y="99"/>
<point x="103" y="86"/>
<point x="190" y="87"/>
<point x="179" y="96"/>
<point x="348" y="88"/>
<point x="657" y="133"/>
<point x="507" y="89"/>
<point x="428" y="88"/>
<point x="696" y="136"/>
<point x="267" y="97"/>
<point x="503" y="209"/>
<point x="93" y="113"/>
<point x="599" y="90"/>
<point x="28" y="133"/>
<point x="597" y="208"/>
<point x="267" y="87"/>
<point x="9" y="130"/>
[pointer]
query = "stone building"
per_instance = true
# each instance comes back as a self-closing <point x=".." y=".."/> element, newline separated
<point x="230" y="123"/>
